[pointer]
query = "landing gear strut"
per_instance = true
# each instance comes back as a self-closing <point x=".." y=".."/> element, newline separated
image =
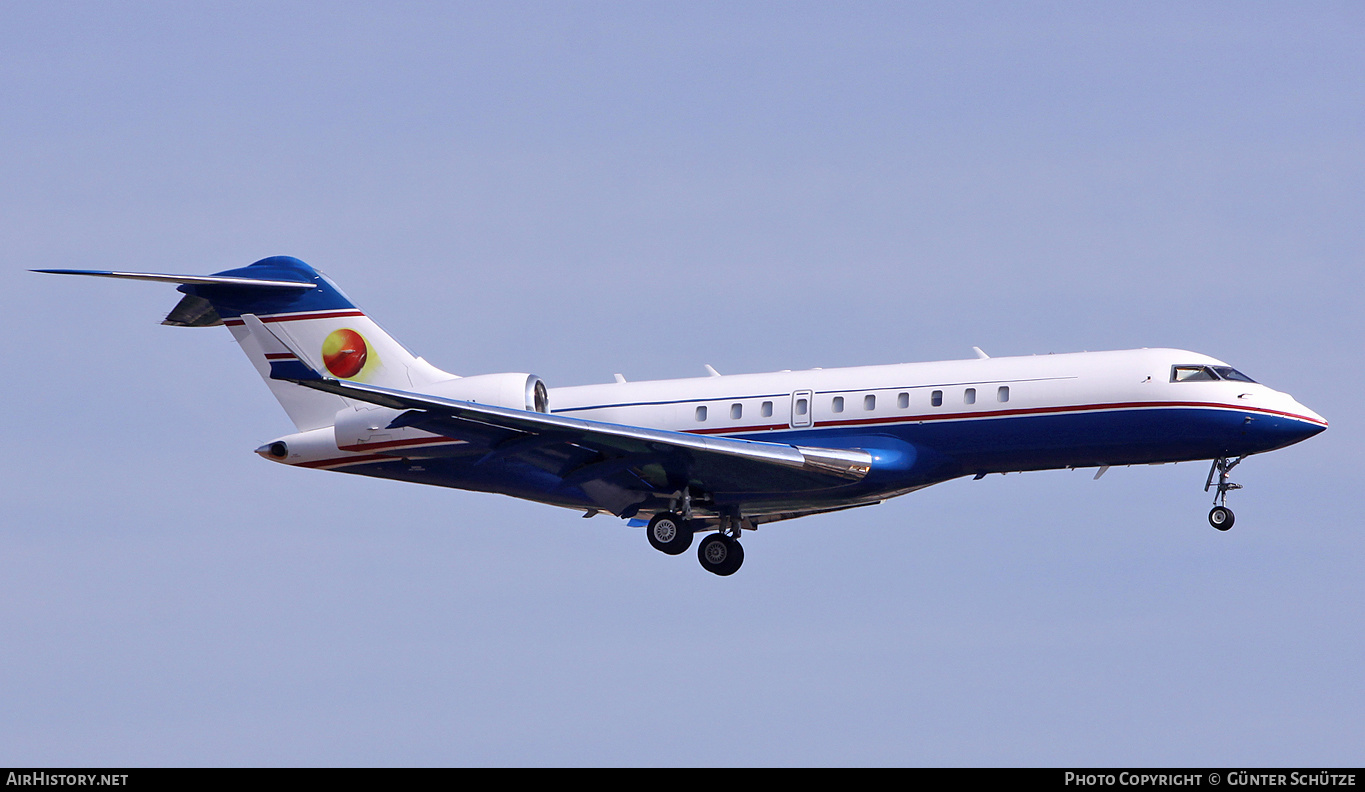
<point x="1221" y="517"/>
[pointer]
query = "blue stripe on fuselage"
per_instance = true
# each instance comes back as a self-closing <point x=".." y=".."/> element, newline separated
<point x="1075" y="439"/>
<point x="917" y="454"/>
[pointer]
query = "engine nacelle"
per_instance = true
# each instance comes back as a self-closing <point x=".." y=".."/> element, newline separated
<point x="302" y="448"/>
<point x="365" y="427"/>
<point x="517" y="391"/>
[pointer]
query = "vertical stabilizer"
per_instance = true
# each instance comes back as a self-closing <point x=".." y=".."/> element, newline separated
<point x="279" y="305"/>
<point x="336" y="337"/>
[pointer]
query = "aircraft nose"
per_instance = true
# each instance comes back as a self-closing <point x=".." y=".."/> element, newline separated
<point x="1313" y="417"/>
<point x="1294" y="425"/>
<point x="1306" y="430"/>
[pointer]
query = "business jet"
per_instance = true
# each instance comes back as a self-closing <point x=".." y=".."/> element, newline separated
<point x="718" y="455"/>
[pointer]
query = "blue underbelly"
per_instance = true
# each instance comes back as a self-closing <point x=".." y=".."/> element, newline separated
<point x="1060" y="440"/>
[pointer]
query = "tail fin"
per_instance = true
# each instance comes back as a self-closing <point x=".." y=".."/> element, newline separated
<point x="303" y="305"/>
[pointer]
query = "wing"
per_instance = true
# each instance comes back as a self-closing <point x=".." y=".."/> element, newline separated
<point x="619" y="467"/>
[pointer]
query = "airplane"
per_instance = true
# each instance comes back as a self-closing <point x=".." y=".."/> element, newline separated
<point x="718" y="455"/>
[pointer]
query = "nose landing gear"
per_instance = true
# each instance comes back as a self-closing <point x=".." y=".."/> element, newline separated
<point x="1221" y="517"/>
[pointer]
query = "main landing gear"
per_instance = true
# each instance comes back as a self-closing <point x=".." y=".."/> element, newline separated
<point x="719" y="553"/>
<point x="1221" y="517"/>
<point x="669" y="533"/>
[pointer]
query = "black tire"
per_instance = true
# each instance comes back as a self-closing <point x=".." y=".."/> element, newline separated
<point x="1221" y="517"/>
<point x="720" y="555"/>
<point x="668" y="533"/>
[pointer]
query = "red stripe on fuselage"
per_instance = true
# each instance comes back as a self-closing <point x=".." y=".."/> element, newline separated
<point x="401" y="443"/>
<point x="376" y="457"/>
<point x="343" y="461"/>
<point x="905" y="419"/>
<point x="338" y="462"/>
<point x="299" y="316"/>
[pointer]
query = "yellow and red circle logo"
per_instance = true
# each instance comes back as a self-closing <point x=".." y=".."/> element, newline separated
<point x="344" y="353"/>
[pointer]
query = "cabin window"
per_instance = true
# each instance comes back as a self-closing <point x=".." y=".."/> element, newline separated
<point x="969" y="396"/>
<point x="766" y="409"/>
<point x="936" y="398"/>
<point x="701" y="413"/>
<point x="869" y="402"/>
<point x="801" y="407"/>
<point x="838" y="404"/>
<point x="903" y="401"/>
<point x="1002" y="394"/>
<point x="736" y="412"/>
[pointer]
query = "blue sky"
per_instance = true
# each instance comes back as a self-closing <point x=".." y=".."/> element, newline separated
<point x="577" y="189"/>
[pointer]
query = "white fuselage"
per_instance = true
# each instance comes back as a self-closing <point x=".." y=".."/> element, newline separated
<point x="905" y="393"/>
<point x="921" y="423"/>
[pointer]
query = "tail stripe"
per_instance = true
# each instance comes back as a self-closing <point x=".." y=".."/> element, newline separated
<point x="297" y="316"/>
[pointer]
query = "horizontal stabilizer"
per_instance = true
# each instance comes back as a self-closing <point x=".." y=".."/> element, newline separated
<point x="303" y="309"/>
<point x="191" y="280"/>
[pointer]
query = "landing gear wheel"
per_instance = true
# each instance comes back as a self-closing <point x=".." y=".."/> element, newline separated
<point x="720" y="555"/>
<point x="669" y="533"/>
<point x="1221" y="517"/>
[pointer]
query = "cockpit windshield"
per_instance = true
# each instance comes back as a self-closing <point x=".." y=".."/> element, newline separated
<point x="1207" y="374"/>
<point x="1230" y="373"/>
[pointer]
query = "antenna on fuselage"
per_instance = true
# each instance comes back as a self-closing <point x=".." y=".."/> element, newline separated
<point x="981" y="354"/>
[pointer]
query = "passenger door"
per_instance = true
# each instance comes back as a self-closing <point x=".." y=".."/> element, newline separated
<point x="802" y="407"/>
